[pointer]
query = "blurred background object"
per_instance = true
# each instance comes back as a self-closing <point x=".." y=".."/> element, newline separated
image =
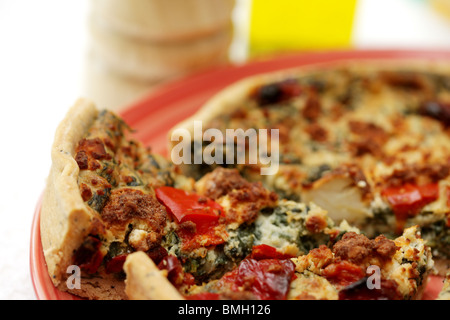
<point x="163" y="20"/>
<point x="299" y="25"/>
<point x="139" y="44"/>
<point x="442" y="6"/>
<point x="286" y="25"/>
<point x="399" y="24"/>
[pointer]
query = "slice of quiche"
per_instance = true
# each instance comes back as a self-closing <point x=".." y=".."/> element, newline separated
<point x="107" y="197"/>
<point x="100" y="203"/>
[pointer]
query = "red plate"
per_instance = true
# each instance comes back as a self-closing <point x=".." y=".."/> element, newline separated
<point x="154" y="115"/>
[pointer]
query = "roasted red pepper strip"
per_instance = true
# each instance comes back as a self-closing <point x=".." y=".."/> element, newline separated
<point x="267" y="279"/>
<point x="186" y="206"/>
<point x="89" y="256"/>
<point x="115" y="265"/>
<point x="191" y="207"/>
<point x="204" y="296"/>
<point x="264" y="251"/>
<point x="343" y="273"/>
<point x="211" y="235"/>
<point x="175" y="273"/>
<point x="409" y="199"/>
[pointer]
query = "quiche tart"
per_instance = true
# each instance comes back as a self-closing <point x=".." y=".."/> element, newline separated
<point x="358" y="208"/>
<point x="368" y="142"/>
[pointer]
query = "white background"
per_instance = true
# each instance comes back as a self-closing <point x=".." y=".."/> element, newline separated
<point x="42" y="50"/>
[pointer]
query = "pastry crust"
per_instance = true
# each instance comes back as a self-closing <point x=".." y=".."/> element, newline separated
<point x="104" y="287"/>
<point x="65" y="219"/>
<point x="145" y="281"/>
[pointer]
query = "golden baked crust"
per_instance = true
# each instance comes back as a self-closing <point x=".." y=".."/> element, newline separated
<point x="145" y="281"/>
<point x="65" y="219"/>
